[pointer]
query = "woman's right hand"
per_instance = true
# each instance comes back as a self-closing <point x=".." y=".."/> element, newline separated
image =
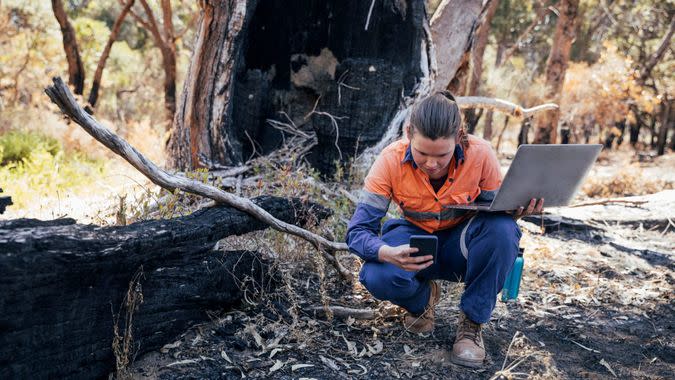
<point x="400" y="256"/>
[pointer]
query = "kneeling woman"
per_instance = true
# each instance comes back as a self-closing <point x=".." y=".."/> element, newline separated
<point x="437" y="165"/>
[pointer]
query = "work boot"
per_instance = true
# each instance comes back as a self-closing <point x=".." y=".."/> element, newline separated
<point x="424" y="323"/>
<point x="468" y="349"/>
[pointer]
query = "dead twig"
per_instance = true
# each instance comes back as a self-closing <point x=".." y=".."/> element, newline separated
<point x="333" y="120"/>
<point x="346" y="312"/>
<point x="233" y="172"/>
<point x="501" y="105"/>
<point x="609" y="201"/>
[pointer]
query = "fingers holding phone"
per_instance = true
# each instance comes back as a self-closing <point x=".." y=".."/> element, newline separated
<point x="405" y="257"/>
<point x="426" y="245"/>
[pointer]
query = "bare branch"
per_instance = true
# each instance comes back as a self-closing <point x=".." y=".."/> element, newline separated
<point x="61" y="96"/>
<point x="541" y="12"/>
<point x="138" y="18"/>
<point x="609" y="201"/>
<point x="503" y="106"/>
<point x="333" y="120"/>
<point x="659" y="52"/>
<point x="154" y="29"/>
<point x="96" y="83"/>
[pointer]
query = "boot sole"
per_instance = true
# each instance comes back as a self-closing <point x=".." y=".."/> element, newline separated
<point x="466" y="363"/>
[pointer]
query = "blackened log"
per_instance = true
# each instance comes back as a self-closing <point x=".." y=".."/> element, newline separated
<point x="62" y="284"/>
<point x="4" y="202"/>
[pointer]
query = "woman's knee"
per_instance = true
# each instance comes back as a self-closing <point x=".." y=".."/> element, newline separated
<point x="501" y="227"/>
<point x="387" y="282"/>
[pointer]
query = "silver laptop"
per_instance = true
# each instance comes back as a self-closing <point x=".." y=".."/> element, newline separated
<point x="550" y="171"/>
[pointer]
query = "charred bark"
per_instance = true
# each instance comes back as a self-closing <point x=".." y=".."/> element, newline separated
<point x="75" y="65"/>
<point x="546" y="130"/>
<point x="63" y="285"/>
<point x="254" y="60"/>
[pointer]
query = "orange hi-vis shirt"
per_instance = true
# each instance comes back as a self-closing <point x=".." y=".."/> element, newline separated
<point x="473" y="174"/>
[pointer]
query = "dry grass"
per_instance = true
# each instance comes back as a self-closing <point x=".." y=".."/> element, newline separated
<point x="627" y="182"/>
<point x="122" y="345"/>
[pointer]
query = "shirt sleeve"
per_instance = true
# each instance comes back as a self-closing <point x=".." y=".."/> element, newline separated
<point x="491" y="176"/>
<point x="364" y="227"/>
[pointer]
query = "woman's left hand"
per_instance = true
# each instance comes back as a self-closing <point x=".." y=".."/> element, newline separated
<point x="535" y="207"/>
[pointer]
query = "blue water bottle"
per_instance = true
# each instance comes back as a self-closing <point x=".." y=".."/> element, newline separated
<point x="512" y="283"/>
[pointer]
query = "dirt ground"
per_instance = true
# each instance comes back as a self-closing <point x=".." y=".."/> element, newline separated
<point x="596" y="302"/>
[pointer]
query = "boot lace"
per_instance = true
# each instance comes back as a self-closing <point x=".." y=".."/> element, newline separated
<point x="469" y="330"/>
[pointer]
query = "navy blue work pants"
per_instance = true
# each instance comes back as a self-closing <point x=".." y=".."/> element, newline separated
<point x="480" y="251"/>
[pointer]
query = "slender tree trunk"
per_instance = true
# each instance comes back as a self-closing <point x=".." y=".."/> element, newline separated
<point x="165" y="41"/>
<point x="621" y="126"/>
<point x="471" y="116"/>
<point x="524" y="130"/>
<point x="96" y="83"/>
<point x="479" y="49"/>
<point x="663" y="130"/>
<point x="169" y="61"/>
<point x="672" y="127"/>
<point x="487" y="128"/>
<point x="75" y="65"/>
<point x="541" y="10"/>
<point x="556" y="66"/>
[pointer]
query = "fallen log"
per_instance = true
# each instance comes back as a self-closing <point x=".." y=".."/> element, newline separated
<point x="66" y="288"/>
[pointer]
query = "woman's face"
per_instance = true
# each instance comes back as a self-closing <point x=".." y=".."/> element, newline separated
<point x="431" y="156"/>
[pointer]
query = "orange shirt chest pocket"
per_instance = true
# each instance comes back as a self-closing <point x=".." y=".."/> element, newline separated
<point x="464" y="187"/>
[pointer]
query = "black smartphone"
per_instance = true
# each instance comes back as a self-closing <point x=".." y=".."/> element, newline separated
<point x="426" y="245"/>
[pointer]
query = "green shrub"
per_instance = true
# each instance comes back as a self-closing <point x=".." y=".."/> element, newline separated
<point x="42" y="175"/>
<point x="17" y="146"/>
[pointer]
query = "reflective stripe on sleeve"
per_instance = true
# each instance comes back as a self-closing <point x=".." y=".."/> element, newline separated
<point x="378" y="201"/>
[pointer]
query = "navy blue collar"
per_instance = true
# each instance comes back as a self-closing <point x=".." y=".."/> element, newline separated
<point x="458" y="155"/>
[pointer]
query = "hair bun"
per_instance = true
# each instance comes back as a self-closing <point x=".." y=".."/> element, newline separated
<point x="448" y="95"/>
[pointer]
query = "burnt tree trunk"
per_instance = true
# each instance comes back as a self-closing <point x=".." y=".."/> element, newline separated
<point x="354" y="65"/>
<point x="75" y="65"/>
<point x="254" y="60"/>
<point x="546" y="130"/>
<point x="63" y="285"/>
